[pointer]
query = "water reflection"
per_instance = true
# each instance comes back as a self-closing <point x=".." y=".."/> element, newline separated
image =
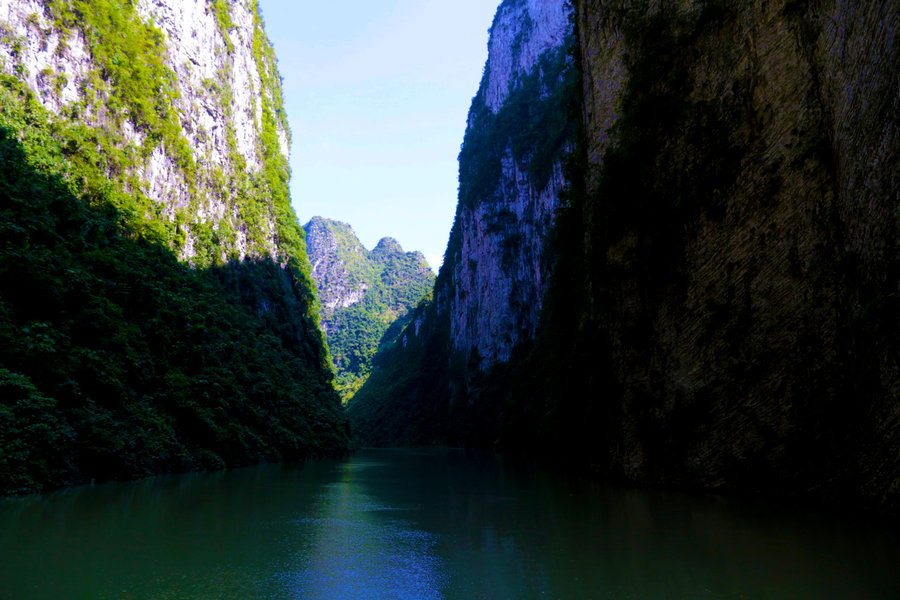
<point x="425" y="525"/>
<point x="359" y="549"/>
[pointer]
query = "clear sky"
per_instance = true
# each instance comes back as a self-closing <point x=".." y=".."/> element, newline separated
<point x="377" y="93"/>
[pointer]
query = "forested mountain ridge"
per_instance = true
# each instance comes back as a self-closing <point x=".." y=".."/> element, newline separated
<point x="363" y="293"/>
<point x="133" y="135"/>
<point x="488" y="296"/>
<point x="723" y="311"/>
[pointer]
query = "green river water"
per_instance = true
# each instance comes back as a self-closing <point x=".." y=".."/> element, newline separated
<point x="436" y="524"/>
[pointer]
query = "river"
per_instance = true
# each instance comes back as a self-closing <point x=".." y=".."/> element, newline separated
<point x="423" y="525"/>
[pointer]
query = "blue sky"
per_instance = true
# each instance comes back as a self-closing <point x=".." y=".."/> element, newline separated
<point x="377" y="93"/>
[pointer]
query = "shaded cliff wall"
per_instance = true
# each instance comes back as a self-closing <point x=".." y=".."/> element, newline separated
<point x="728" y="313"/>
<point x="156" y="308"/>
<point x="489" y="293"/>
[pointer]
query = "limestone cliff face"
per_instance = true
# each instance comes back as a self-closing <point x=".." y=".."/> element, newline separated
<point x="210" y="162"/>
<point x="723" y="312"/>
<point x="335" y="253"/>
<point x="740" y="229"/>
<point x="489" y="294"/>
<point x="363" y="294"/>
<point x="497" y="265"/>
<point x="522" y="33"/>
<point x="150" y="245"/>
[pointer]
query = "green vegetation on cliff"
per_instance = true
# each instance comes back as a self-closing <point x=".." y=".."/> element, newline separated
<point x="131" y="58"/>
<point x="133" y="87"/>
<point x="423" y="391"/>
<point x="116" y="359"/>
<point x="366" y="295"/>
<point x="724" y="308"/>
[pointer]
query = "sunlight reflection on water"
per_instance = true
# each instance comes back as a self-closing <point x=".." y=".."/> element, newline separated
<point x="353" y="553"/>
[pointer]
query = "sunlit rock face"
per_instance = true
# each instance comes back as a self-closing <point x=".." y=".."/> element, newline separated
<point x="344" y="270"/>
<point x="522" y="33"/>
<point x="223" y="82"/>
<point x="498" y="264"/>
<point x="495" y="273"/>
<point x="336" y="255"/>
<point x="364" y="294"/>
<point x="491" y="289"/>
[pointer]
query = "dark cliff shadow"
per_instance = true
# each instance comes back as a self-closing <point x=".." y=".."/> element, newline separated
<point x="119" y="361"/>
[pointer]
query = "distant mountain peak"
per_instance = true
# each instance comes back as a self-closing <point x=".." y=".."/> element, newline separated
<point x="388" y="245"/>
<point x="362" y="293"/>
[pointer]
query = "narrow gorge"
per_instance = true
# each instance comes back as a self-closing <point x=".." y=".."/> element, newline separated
<point x="673" y="260"/>
<point x="429" y="386"/>
<point x="679" y="266"/>
<point x="659" y="359"/>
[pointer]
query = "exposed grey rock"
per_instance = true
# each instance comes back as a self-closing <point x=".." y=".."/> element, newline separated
<point x="497" y="283"/>
<point x="206" y="65"/>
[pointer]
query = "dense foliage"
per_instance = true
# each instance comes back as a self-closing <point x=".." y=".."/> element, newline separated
<point x="116" y="359"/>
<point x="393" y="282"/>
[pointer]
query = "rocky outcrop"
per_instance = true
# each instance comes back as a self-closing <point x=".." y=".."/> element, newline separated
<point x="338" y="265"/>
<point x="489" y="295"/>
<point x="498" y="264"/>
<point x="363" y="294"/>
<point x="202" y="122"/>
<point x="522" y="33"/>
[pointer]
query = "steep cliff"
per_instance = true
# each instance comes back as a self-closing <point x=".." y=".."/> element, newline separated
<point x="510" y="179"/>
<point x="723" y="310"/>
<point x="132" y="135"/>
<point x="363" y="294"/>
<point x="186" y="100"/>
<point x="725" y="313"/>
<point x="488" y="296"/>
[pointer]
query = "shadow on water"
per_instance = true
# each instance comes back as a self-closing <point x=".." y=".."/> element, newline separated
<point x="508" y="530"/>
<point x="435" y="524"/>
<point x="120" y="361"/>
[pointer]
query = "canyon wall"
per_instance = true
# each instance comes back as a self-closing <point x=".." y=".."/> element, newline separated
<point x="188" y="93"/>
<point x="157" y="312"/>
<point x="510" y="179"/>
<point x="718" y="307"/>
<point x="488" y="296"/>
<point x="732" y="319"/>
